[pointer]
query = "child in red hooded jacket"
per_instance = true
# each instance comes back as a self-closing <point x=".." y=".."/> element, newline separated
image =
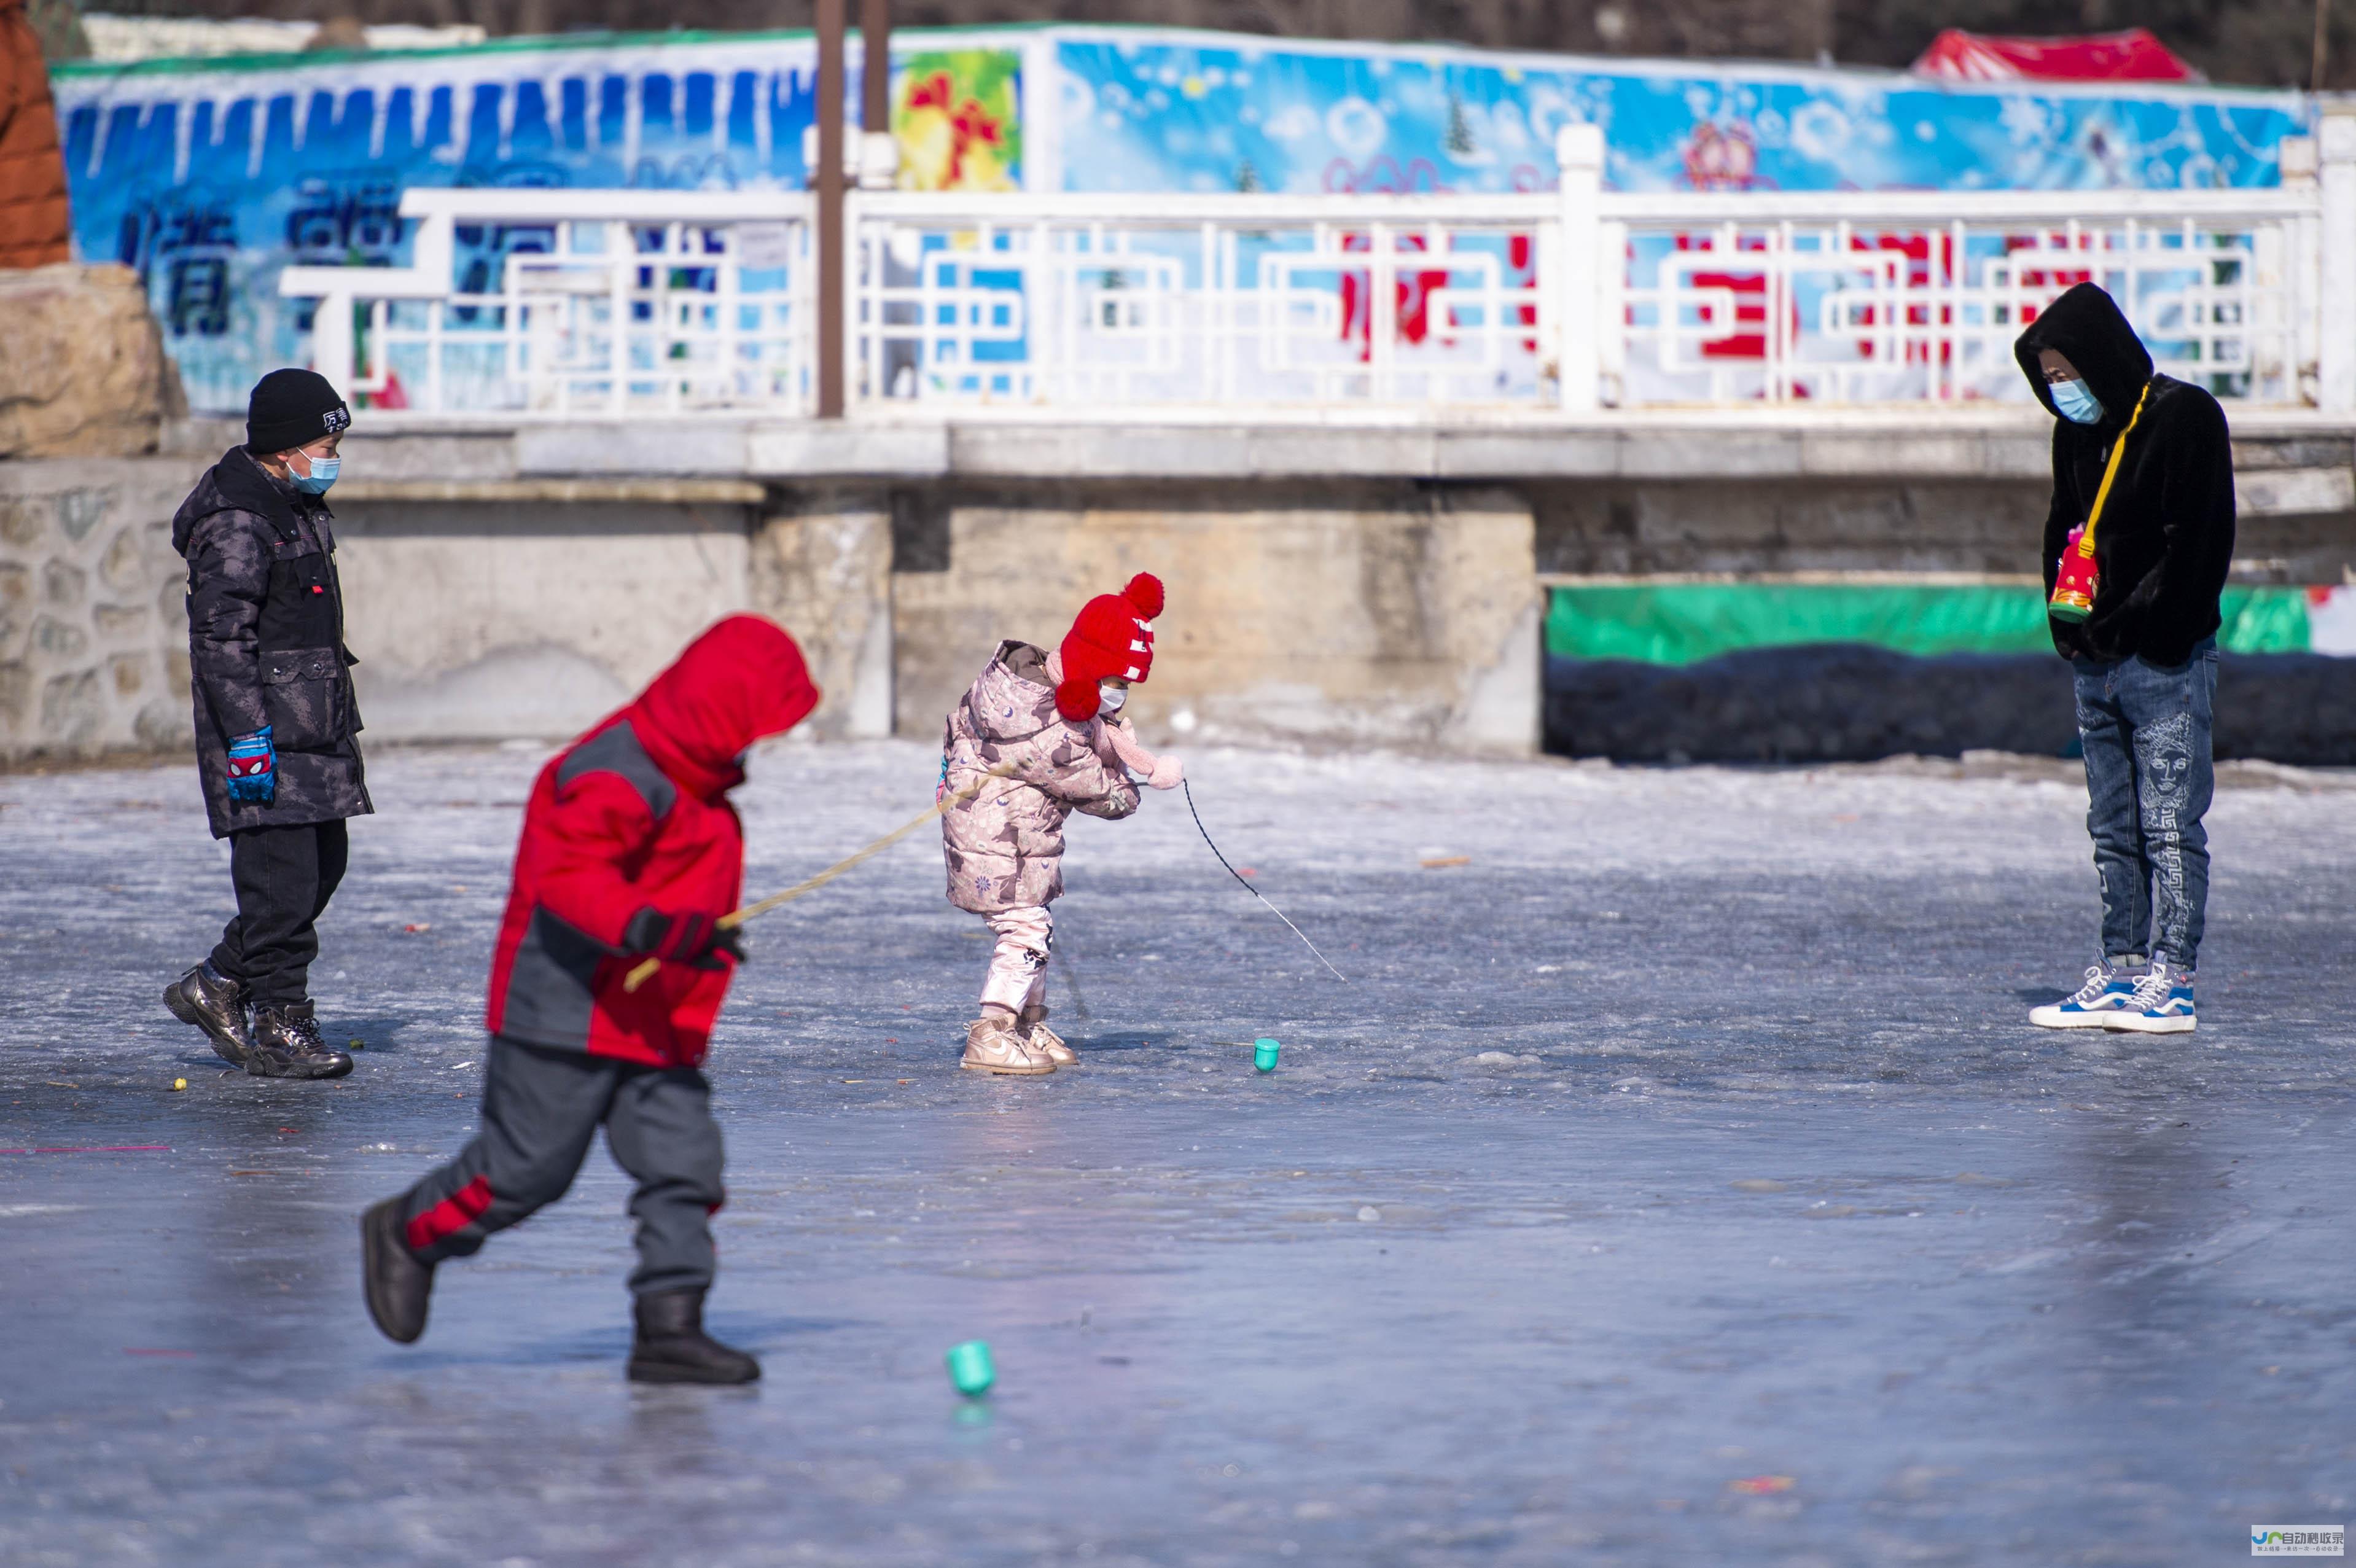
<point x="630" y="851"/>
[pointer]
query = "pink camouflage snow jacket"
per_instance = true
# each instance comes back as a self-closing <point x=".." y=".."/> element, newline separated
<point x="1005" y="846"/>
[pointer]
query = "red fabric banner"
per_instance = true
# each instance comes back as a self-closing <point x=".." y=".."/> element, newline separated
<point x="2131" y="56"/>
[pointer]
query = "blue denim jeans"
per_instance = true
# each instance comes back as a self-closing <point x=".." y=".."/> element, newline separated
<point x="2149" y="781"/>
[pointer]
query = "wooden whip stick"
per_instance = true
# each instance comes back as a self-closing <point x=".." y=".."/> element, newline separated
<point x="735" y="917"/>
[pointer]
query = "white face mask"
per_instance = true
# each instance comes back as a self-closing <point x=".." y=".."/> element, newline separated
<point x="1110" y="697"/>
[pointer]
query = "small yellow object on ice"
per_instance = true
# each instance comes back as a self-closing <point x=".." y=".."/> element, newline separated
<point x="179" y="1083"/>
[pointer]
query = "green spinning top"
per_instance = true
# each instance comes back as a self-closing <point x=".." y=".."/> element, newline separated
<point x="970" y="1368"/>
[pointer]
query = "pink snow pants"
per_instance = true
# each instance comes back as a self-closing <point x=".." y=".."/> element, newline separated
<point x="1018" y="965"/>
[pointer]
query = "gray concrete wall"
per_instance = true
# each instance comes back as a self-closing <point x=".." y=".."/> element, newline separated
<point x="2297" y="525"/>
<point x="480" y="621"/>
<point x="822" y="565"/>
<point x="1333" y="584"/>
<point x="1383" y="613"/>
<point x="1641" y="527"/>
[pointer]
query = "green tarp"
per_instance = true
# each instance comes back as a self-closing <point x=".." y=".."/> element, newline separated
<point x="1681" y="623"/>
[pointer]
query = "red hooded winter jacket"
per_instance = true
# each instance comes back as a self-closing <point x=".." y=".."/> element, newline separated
<point x="635" y="814"/>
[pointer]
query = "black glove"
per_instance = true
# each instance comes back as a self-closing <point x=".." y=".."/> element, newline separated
<point x="693" y="939"/>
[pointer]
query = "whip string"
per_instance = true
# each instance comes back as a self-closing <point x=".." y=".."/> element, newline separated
<point x="1255" y="892"/>
<point x="735" y="917"/>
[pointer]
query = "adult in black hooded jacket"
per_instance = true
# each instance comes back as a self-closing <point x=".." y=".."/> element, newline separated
<point x="2144" y="659"/>
<point x="2166" y="540"/>
<point x="273" y="700"/>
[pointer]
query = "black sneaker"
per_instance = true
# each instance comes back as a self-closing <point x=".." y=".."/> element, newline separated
<point x="672" y="1348"/>
<point x="215" y="1003"/>
<point x="396" y="1285"/>
<point x="286" y="1044"/>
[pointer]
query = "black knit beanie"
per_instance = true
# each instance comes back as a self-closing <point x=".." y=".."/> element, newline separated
<point x="291" y="408"/>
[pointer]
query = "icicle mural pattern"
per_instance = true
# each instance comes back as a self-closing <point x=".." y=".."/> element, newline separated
<point x="208" y="177"/>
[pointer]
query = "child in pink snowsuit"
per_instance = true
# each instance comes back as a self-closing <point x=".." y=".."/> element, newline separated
<point x="1036" y="739"/>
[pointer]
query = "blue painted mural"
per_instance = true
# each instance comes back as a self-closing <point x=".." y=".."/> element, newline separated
<point x="1214" y="113"/>
<point x="210" y="176"/>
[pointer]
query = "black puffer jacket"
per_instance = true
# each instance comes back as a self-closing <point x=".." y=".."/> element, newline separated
<point x="266" y="646"/>
<point x="2165" y="543"/>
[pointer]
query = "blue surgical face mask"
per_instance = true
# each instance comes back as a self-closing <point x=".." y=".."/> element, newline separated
<point x="322" y="475"/>
<point x="2076" y="403"/>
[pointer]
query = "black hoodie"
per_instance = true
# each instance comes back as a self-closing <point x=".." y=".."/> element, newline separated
<point x="2166" y="540"/>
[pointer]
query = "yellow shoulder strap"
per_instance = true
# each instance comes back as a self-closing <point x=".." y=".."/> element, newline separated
<point x="2110" y="472"/>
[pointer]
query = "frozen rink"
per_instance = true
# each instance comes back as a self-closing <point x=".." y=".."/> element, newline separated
<point x="1675" y="1182"/>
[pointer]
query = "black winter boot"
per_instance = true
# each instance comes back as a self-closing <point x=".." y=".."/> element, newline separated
<point x="215" y="1003"/>
<point x="397" y="1284"/>
<point x="672" y="1348"/>
<point x="286" y="1044"/>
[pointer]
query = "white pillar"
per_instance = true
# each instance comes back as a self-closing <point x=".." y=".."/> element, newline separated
<point x="2336" y="350"/>
<point x="2287" y="282"/>
<point x="332" y="342"/>
<point x="1579" y="293"/>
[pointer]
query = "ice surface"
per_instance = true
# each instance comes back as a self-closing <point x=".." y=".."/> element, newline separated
<point x="1702" y="1137"/>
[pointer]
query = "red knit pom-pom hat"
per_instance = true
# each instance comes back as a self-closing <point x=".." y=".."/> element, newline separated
<point x="1113" y="637"/>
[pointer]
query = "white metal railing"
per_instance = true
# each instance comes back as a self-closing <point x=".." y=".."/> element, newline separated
<point x="622" y="302"/>
<point x="1879" y="299"/>
<point x="577" y="302"/>
<point x="1087" y="301"/>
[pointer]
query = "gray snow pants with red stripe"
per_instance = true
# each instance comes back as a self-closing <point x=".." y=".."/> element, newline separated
<point x="541" y="1108"/>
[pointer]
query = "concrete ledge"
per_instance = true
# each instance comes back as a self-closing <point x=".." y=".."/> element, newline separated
<point x="848" y="449"/>
<point x="1099" y="451"/>
<point x="1845" y="455"/>
<point x="485" y="456"/>
<point x="2020" y="456"/>
<point x="1710" y="455"/>
<point x="2294" y="492"/>
<point x="679" y="447"/>
<point x="1975" y="442"/>
<point x="577" y="492"/>
<point x="1564" y="454"/>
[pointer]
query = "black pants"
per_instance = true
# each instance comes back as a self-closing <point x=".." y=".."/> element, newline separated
<point x="541" y="1108"/>
<point x="285" y="878"/>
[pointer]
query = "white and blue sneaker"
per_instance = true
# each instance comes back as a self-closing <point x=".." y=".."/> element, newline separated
<point x="2162" y="1003"/>
<point x="2110" y="988"/>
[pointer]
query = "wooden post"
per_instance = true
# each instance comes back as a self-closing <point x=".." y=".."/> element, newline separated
<point x="876" y="80"/>
<point x="879" y="155"/>
<point x="830" y="252"/>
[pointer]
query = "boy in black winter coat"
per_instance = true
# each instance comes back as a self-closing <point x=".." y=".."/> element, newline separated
<point x="276" y="721"/>
<point x="2155" y="452"/>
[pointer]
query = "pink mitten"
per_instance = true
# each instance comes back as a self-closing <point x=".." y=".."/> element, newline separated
<point x="1161" y="772"/>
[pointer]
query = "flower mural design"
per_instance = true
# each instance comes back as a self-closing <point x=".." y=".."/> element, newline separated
<point x="955" y="122"/>
<point x="1722" y="157"/>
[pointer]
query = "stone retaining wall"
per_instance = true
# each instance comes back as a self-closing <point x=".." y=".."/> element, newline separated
<point x="1342" y="585"/>
<point x="93" y="637"/>
<point x="484" y="609"/>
